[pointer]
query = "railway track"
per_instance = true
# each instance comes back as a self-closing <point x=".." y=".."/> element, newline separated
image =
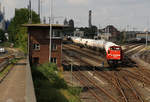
<point x="121" y="87"/>
<point x="127" y="90"/>
<point x="84" y="53"/>
<point x="98" y="92"/>
<point x="4" y="62"/>
<point x="124" y="85"/>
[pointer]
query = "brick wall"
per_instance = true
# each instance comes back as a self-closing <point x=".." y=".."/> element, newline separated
<point x="40" y="36"/>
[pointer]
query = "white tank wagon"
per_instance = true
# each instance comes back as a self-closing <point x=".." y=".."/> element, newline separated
<point x="113" y="51"/>
<point x="107" y="45"/>
<point x="2" y="50"/>
<point x="89" y="42"/>
<point x="99" y="44"/>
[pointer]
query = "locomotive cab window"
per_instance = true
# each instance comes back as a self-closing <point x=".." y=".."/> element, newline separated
<point x="115" y="48"/>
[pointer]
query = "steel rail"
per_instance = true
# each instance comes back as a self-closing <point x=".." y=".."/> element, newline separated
<point x="134" y="90"/>
<point x="103" y="90"/>
<point x="92" y="92"/>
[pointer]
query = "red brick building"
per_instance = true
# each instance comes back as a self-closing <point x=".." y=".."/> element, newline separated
<point x="39" y="43"/>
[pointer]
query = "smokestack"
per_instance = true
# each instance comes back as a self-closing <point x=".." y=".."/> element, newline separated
<point x="90" y="19"/>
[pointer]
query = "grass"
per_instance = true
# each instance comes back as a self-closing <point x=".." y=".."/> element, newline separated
<point x="5" y="44"/>
<point x="8" y="68"/>
<point x="51" y="87"/>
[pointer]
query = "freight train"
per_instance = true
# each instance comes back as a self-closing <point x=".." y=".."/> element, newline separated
<point x="114" y="54"/>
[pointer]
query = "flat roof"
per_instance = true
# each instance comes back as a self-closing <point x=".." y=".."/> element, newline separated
<point x="43" y="25"/>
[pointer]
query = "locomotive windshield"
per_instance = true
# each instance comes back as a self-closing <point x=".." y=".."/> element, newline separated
<point x="115" y="48"/>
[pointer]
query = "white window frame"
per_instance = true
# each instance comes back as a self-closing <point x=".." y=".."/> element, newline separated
<point x="36" y="46"/>
<point x="54" y="60"/>
<point x="54" y="47"/>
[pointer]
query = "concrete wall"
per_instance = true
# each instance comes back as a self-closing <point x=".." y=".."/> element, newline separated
<point x="30" y="93"/>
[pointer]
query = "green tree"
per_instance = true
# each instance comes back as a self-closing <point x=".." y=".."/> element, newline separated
<point x="22" y="39"/>
<point x="2" y="35"/>
<point x="21" y="17"/>
<point x="17" y="33"/>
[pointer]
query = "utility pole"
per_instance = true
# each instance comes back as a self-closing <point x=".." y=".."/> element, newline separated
<point x="146" y="37"/>
<point x="39" y="8"/>
<point x="4" y="12"/>
<point x="147" y="31"/>
<point x="50" y="31"/>
<point x="30" y="12"/>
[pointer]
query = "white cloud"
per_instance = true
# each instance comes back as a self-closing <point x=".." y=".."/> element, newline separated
<point x="116" y="12"/>
<point x="10" y="3"/>
<point x="78" y="1"/>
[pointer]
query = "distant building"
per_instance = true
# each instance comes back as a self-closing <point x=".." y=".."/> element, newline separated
<point x="71" y="23"/>
<point x="66" y="22"/>
<point x="130" y="35"/>
<point x="143" y="36"/>
<point x="2" y="19"/>
<point x="79" y="33"/>
<point x="39" y="43"/>
<point x="105" y="36"/>
<point x="109" y="33"/>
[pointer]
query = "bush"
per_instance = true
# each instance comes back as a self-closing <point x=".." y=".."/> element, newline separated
<point x="50" y="87"/>
<point x="75" y="91"/>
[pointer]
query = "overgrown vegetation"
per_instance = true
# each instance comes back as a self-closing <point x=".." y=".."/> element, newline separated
<point x="50" y="87"/>
<point x="6" y="44"/>
<point x="17" y="33"/>
<point x="2" y="35"/>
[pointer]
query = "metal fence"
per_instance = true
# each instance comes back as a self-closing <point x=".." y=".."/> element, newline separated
<point x="3" y="65"/>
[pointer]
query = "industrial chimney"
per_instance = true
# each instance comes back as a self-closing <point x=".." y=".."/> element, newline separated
<point x="90" y="19"/>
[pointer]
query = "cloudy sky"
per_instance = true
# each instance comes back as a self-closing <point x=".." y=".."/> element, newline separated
<point x="120" y="13"/>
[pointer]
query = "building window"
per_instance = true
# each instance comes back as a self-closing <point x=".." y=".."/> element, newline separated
<point x="35" y="60"/>
<point x="54" y="47"/>
<point x="53" y="60"/>
<point x="36" y="46"/>
<point x="56" y="33"/>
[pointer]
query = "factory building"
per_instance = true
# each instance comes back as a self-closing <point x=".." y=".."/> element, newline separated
<point x="109" y="33"/>
<point x="39" y="43"/>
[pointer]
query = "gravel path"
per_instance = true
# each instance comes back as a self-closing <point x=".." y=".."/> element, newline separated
<point x="12" y="89"/>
